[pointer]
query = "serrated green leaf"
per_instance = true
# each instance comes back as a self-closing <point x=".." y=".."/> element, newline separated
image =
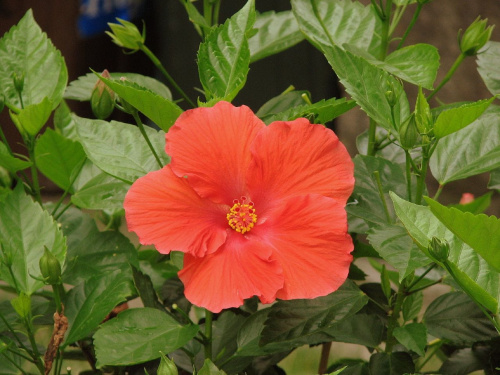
<point x="81" y="89"/>
<point x="473" y="273"/>
<point x="25" y="229"/>
<point x="139" y="335"/>
<point x="481" y="232"/>
<point x="367" y="84"/>
<point x="318" y="113"/>
<point x="119" y="149"/>
<point x="362" y="329"/>
<point x="413" y="336"/>
<point x="64" y="123"/>
<point x="326" y="23"/>
<point x="11" y="163"/>
<point x="91" y="252"/>
<point x="275" y="33"/>
<point x="299" y="322"/>
<point x="367" y="202"/>
<point x="397" y="248"/>
<point x="455" y="317"/>
<point x="25" y="49"/>
<point x="87" y="304"/>
<point x="468" y="152"/>
<point x="34" y="116"/>
<point x="59" y="158"/>
<point x="487" y="66"/>
<point x="454" y="119"/>
<point x="163" y="112"/>
<point x="224" y="56"/>
<point x="210" y="369"/>
<point x="412" y="306"/>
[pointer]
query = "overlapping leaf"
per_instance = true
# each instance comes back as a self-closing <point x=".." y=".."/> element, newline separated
<point x="11" y="163"/>
<point x="488" y="68"/>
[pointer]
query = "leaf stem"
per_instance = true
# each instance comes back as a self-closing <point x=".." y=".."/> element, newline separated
<point x="438" y="192"/>
<point x="372" y="142"/>
<point x="4" y="140"/>
<point x="34" y="171"/>
<point x="59" y="202"/>
<point x="169" y="78"/>
<point x="138" y="120"/>
<point x="448" y="75"/>
<point x="325" y="353"/>
<point x="415" y="282"/>
<point x="36" y="354"/>
<point x="393" y="318"/>
<point x="408" y="174"/>
<point x="410" y="25"/>
<point x="376" y="174"/>
<point x="386" y="21"/>
<point x="421" y="179"/>
<point x="208" y="334"/>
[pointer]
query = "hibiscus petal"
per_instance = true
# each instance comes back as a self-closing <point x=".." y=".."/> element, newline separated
<point x="212" y="147"/>
<point x="298" y="158"/>
<point x="310" y="240"/>
<point x="240" y="269"/>
<point x="165" y="211"/>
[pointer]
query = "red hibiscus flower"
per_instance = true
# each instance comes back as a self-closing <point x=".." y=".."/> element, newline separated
<point x="257" y="210"/>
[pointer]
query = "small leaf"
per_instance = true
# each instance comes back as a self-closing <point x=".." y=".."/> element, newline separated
<point x="59" y="158"/>
<point x="283" y="102"/>
<point x="87" y="304"/>
<point x="224" y="56"/>
<point x="487" y="66"/>
<point x="34" y="116"/>
<point x="210" y="369"/>
<point x="276" y="32"/>
<point x="22" y="305"/>
<point x="413" y="336"/>
<point x="481" y="232"/>
<point x="119" y="149"/>
<point x="412" y="306"/>
<point x="454" y="119"/>
<point x="455" y="317"/>
<point x="163" y="112"/>
<point x="139" y="335"/>
<point x="11" y="163"/>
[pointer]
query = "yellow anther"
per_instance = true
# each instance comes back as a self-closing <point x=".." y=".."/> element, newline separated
<point x="241" y="217"/>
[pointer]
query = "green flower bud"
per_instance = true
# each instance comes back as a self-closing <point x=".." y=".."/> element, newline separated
<point x="408" y="133"/>
<point x="167" y="367"/>
<point x="127" y="35"/>
<point x="390" y="95"/>
<point x="102" y="100"/>
<point x="439" y="249"/>
<point x="475" y="37"/>
<point x="18" y="81"/>
<point x="50" y="268"/>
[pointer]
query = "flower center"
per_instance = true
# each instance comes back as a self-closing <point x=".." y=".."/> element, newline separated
<point x="241" y="217"/>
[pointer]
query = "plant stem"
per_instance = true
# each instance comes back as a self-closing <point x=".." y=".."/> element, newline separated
<point x="386" y="21"/>
<point x="59" y="214"/>
<point x="376" y="174"/>
<point x="215" y="13"/>
<point x="34" y="171"/>
<point x="4" y="140"/>
<point x="208" y="334"/>
<point x="372" y="142"/>
<point x="426" y="286"/>
<point x="393" y="319"/>
<point x="438" y="192"/>
<point x="421" y="179"/>
<point x="408" y="174"/>
<point x="160" y="67"/>
<point x="415" y="282"/>
<point x="410" y="25"/>
<point x="325" y="353"/>
<point x="36" y="354"/>
<point x="59" y="202"/>
<point x="138" y="120"/>
<point x="430" y="353"/>
<point x="448" y="75"/>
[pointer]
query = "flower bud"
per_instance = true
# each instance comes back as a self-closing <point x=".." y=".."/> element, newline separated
<point x="408" y="133"/>
<point x="439" y="249"/>
<point x="466" y="198"/>
<point x="390" y="95"/>
<point x="102" y="100"/>
<point x="475" y="37"/>
<point x="127" y="35"/>
<point x="18" y="81"/>
<point x="50" y="268"/>
<point x="167" y="367"/>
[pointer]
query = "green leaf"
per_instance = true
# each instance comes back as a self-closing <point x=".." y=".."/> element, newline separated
<point x="397" y="248"/>
<point x="146" y="290"/>
<point x="138" y="335"/>
<point x="468" y="152"/>
<point x="119" y="149"/>
<point x="318" y="113"/>
<point x="81" y="89"/>
<point x="224" y="56"/>
<point x="494" y="182"/>
<point x="210" y="369"/>
<point x="9" y="351"/>
<point x="25" y="49"/>
<point x="367" y="202"/>
<point x="395" y="363"/>
<point x="326" y="23"/>
<point x="22" y="305"/>
<point x="276" y="32"/>
<point x="288" y="99"/>
<point x="59" y="158"/>
<point x="87" y="304"/>
<point x="367" y="84"/>
<point x="469" y="360"/>
<point x="477" y="206"/>
<point x="473" y="273"/>
<point x="413" y="336"/>
<point x="195" y="16"/>
<point x="91" y="252"/>
<point x="481" y="232"/>
<point x="64" y="123"/>
<point x="454" y="119"/>
<point x="163" y="112"/>
<point x="412" y="306"/>
<point x="361" y="329"/>
<point x="11" y="163"/>
<point x="25" y="229"/>
<point x="455" y="317"/>
<point x="301" y="321"/>
<point x="487" y="66"/>
<point x="34" y="116"/>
